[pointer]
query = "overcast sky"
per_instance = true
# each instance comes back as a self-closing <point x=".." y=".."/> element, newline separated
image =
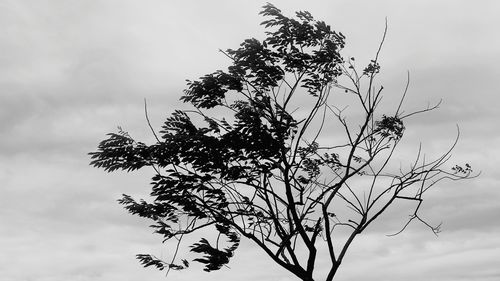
<point x="72" y="71"/>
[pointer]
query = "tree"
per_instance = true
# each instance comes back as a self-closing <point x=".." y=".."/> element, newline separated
<point x="254" y="158"/>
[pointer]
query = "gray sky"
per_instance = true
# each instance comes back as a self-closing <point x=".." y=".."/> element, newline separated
<point x="71" y="71"/>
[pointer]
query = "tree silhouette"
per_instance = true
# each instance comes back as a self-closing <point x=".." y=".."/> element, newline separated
<point x="265" y="154"/>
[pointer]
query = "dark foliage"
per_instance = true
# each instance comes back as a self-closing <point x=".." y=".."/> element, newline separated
<point x="261" y="173"/>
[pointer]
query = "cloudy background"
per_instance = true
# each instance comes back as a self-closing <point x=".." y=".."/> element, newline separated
<point x="72" y="71"/>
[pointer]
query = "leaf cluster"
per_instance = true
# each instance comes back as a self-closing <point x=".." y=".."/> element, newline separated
<point x="206" y="161"/>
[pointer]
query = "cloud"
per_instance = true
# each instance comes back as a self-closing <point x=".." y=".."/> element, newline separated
<point x="458" y="256"/>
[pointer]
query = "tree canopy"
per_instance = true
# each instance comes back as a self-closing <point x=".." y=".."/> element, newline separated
<point x="266" y="154"/>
